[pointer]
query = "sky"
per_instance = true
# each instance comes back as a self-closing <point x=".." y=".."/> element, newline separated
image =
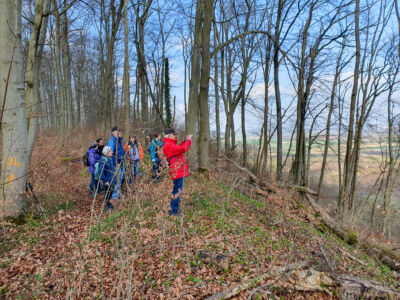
<point x="177" y="15"/>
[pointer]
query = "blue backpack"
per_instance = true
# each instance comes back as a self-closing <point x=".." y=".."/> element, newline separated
<point x="97" y="170"/>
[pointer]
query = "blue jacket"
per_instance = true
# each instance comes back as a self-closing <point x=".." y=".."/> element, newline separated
<point x="94" y="157"/>
<point x="107" y="170"/>
<point x="153" y="148"/>
<point x="112" y="142"/>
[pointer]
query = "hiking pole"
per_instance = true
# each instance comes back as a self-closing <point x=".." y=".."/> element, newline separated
<point x="29" y="188"/>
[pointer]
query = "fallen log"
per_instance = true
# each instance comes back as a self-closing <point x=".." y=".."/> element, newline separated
<point x="342" y="232"/>
<point x="347" y="287"/>
<point x="278" y="272"/>
<point x="245" y="170"/>
<point x="356" y="288"/>
<point x="71" y="159"/>
<point x="381" y="253"/>
<point x="298" y="188"/>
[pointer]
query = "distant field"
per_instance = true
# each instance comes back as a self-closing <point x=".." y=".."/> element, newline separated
<point x="372" y="154"/>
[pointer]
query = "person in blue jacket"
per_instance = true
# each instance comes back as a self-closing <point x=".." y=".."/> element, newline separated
<point x="155" y="145"/>
<point x="107" y="170"/>
<point x="115" y="142"/>
<point x="94" y="157"/>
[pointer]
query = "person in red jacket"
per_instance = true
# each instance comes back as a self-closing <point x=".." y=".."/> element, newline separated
<point x="178" y="167"/>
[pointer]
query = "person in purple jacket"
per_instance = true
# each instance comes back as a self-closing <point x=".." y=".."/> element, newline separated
<point x="94" y="157"/>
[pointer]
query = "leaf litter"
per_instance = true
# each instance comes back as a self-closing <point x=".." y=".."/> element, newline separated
<point x="137" y="251"/>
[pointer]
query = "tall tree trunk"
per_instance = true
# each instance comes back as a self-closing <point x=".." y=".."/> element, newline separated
<point x="264" y="152"/>
<point x="167" y="95"/>
<point x="299" y="164"/>
<point x="60" y="78"/>
<point x="66" y="66"/>
<point x="142" y="74"/>
<point x="244" y="137"/>
<point x="328" y="121"/>
<point x="108" y="91"/>
<point x="216" y="91"/>
<point x="32" y="74"/>
<point x="193" y="105"/>
<point x="14" y="163"/>
<point x="204" y="124"/>
<point x="344" y="192"/>
<point x="389" y="179"/>
<point x="126" y="72"/>
<point x="277" y="91"/>
<point x="184" y="90"/>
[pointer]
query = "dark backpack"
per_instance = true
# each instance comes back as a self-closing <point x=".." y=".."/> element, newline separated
<point x="86" y="159"/>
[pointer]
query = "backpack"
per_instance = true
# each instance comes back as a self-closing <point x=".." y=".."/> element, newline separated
<point x="86" y="159"/>
<point x="97" y="170"/>
<point x="140" y="151"/>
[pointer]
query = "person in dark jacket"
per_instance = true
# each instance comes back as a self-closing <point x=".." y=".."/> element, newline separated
<point x="94" y="157"/>
<point x="100" y="145"/>
<point x="178" y="167"/>
<point x="155" y="145"/>
<point x="115" y="142"/>
<point x="107" y="169"/>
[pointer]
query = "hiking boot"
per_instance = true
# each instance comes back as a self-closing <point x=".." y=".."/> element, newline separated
<point x="172" y="214"/>
<point x="109" y="207"/>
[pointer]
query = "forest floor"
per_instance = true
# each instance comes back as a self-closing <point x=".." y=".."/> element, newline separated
<point x="138" y="250"/>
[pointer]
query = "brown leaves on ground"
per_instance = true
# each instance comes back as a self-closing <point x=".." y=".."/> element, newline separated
<point x="139" y="250"/>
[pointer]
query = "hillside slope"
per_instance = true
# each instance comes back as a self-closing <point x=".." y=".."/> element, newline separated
<point x="228" y="232"/>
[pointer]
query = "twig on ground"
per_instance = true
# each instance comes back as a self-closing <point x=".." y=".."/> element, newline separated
<point x="253" y="292"/>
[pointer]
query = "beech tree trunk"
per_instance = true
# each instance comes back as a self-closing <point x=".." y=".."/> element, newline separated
<point x="193" y="105"/>
<point x="204" y="121"/>
<point x="32" y="74"/>
<point x="14" y="163"/>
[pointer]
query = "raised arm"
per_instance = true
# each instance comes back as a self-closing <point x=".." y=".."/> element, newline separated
<point x="181" y="148"/>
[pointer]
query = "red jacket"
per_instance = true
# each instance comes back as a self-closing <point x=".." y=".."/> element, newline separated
<point x="174" y="153"/>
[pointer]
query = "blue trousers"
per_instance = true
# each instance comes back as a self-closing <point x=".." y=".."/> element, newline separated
<point x="135" y="170"/>
<point x="176" y="195"/>
<point x="93" y="185"/>
<point x="115" y="194"/>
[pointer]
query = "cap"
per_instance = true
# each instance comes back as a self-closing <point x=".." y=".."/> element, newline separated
<point x="106" y="149"/>
<point x="115" y="128"/>
<point x="169" y="131"/>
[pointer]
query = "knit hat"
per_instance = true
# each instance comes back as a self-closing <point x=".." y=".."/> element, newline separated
<point x="106" y="150"/>
<point x="93" y="145"/>
<point x="169" y="131"/>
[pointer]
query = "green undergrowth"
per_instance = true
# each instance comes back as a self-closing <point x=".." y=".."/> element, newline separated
<point x="104" y="226"/>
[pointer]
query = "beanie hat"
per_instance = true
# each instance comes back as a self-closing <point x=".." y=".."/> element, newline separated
<point x="169" y="131"/>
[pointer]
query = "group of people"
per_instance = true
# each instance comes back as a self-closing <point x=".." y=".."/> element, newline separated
<point x="111" y="163"/>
